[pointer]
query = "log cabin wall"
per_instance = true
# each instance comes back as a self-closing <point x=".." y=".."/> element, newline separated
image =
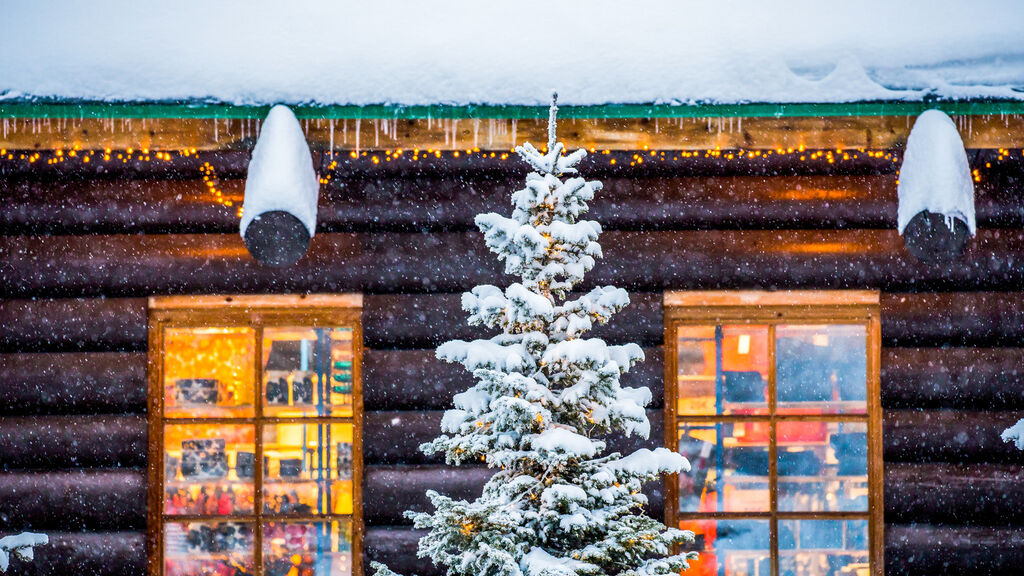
<point x="83" y="247"/>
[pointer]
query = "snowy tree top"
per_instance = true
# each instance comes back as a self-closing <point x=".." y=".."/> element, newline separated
<point x="463" y="52"/>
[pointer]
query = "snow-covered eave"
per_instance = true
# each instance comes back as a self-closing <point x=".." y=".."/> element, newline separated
<point x="67" y="108"/>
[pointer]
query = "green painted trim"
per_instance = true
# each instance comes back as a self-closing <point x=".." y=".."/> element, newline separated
<point x="67" y="109"/>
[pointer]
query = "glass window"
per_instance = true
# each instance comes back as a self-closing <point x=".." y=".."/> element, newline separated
<point x="776" y="407"/>
<point x="256" y="412"/>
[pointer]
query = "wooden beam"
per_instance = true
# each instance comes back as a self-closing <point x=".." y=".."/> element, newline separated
<point x="501" y="134"/>
<point x="382" y="203"/>
<point x="417" y="380"/>
<point x="102" y="324"/>
<point x="956" y="494"/>
<point x="73" y="500"/>
<point x="987" y="550"/>
<point x="92" y="553"/>
<point x="959" y="436"/>
<point x="946" y="493"/>
<point x="55" y="442"/>
<point x="73" y="383"/>
<point x="426" y="320"/>
<point x="84" y="383"/>
<point x="923" y="549"/>
<point x="953" y="319"/>
<point x="393" y="437"/>
<point x="447" y="262"/>
<point x="910" y="549"/>
<point x="953" y="378"/>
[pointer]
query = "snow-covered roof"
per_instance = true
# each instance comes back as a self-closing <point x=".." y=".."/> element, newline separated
<point x="463" y="52"/>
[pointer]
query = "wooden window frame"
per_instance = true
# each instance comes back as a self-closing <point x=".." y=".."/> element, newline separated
<point x="773" y="308"/>
<point x="257" y="312"/>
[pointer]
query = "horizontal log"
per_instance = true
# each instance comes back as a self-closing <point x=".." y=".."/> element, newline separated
<point x="953" y="319"/>
<point x="393" y="437"/>
<point x="124" y="265"/>
<point x="233" y="163"/>
<point x="395" y="489"/>
<point x="941" y="493"/>
<point x="362" y="204"/>
<point x="982" y="378"/>
<point x="949" y="436"/>
<point x="73" y="324"/>
<point x="73" y="383"/>
<point x="924" y="550"/>
<point x="53" y="442"/>
<point x="82" y="383"/>
<point x="417" y="380"/>
<point x="87" y="554"/>
<point x="225" y="164"/>
<point x="964" y="494"/>
<point x="910" y="550"/>
<point x="426" y="320"/>
<point x="69" y="501"/>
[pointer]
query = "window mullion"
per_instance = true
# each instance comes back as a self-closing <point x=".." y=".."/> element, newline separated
<point x="258" y="471"/>
<point x="773" y="481"/>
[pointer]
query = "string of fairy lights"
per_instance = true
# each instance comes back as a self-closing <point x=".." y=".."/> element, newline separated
<point x="340" y="161"/>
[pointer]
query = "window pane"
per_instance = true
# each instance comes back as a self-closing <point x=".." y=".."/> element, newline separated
<point x="208" y="372"/>
<point x="728" y="467"/>
<point x="722" y="369"/>
<point x="822" y="466"/>
<point x="823" y="547"/>
<point x="307" y="371"/>
<point x="307" y="548"/>
<point x="192" y="548"/>
<point x="309" y="469"/>
<point x="206" y="470"/>
<point x="821" y="369"/>
<point x="733" y="547"/>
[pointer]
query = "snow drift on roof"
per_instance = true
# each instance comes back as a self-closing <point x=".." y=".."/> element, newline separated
<point x="464" y="52"/>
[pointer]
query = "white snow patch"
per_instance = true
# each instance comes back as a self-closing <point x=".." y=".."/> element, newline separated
<point x="565" y="441"/>
<point x="444" y="52"/>
<point x="1015" y="434"/>
<point x="281" y="174"/>
<point x="21" y="546"/>
<point x="646" y="462"/>
<point x="538" y="562"/>
<point x="935" y="175"/>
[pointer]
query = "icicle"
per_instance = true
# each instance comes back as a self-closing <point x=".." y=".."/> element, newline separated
<point x="552" y="120"/>
<point x="332" y="139"/>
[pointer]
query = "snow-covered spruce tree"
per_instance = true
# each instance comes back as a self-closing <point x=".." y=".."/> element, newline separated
<point x="558" y="506"/>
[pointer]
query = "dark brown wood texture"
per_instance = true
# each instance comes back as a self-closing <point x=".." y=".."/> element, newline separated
<point x="73" y="329"/>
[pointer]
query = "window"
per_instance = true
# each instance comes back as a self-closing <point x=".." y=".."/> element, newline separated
<point x="254" y="435"/>
<point x="773" y="397"/>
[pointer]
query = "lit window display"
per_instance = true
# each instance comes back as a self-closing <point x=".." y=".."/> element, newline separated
<point x="776" y="406"/>
<point x="256" y="418"/>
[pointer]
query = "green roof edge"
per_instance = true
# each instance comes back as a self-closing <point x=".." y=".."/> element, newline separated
<point x="72" y="109"/>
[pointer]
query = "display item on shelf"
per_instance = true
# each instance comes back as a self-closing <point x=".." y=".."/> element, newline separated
<point x="204" y="458"/>
<point x="201" y="391"/>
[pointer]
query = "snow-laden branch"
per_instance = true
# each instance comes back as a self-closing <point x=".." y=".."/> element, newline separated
<point x="20" y="545"/>
<point x="1015" y="434"/>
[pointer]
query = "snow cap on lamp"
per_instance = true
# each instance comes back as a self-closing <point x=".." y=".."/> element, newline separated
<point x="936" y="191"/>
<point x="281" y="190"/>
